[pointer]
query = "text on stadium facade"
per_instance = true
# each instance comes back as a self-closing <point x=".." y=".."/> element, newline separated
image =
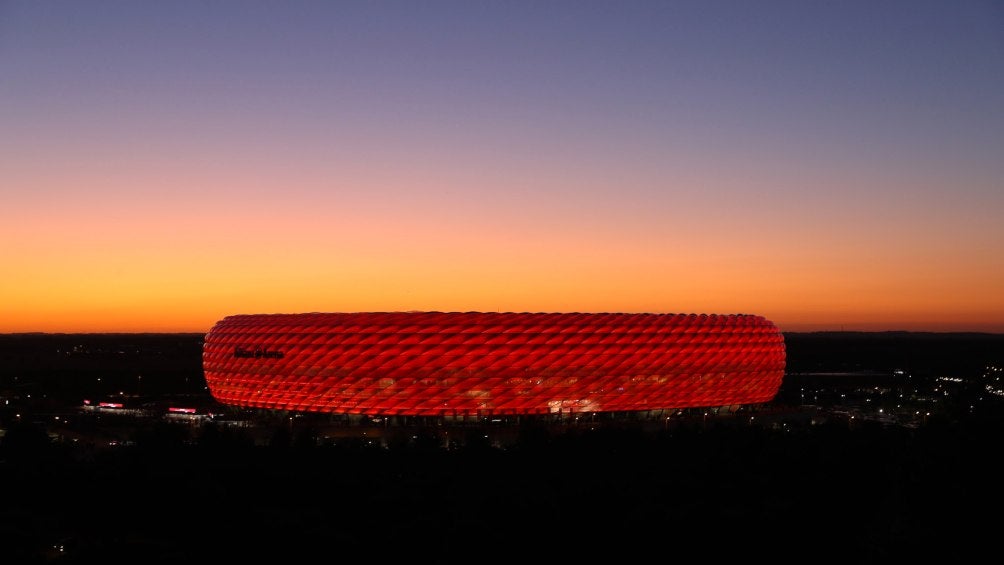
<point x="257" y="353"/>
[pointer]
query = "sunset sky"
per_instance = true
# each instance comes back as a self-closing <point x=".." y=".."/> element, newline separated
<point x="828" y="165"/>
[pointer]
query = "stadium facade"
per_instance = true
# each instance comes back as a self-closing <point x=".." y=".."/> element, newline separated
<point x="460" y="364"/>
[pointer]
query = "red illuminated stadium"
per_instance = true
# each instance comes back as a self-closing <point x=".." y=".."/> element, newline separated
<point x="472" y="363"/>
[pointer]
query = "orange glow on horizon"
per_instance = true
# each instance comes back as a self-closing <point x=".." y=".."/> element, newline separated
<point x="151" y="283"/>
<point x="115" y="260"/>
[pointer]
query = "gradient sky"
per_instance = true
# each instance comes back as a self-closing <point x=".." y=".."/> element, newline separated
<point x="828" y="165"/>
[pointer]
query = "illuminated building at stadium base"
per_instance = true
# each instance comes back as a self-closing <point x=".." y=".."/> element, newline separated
<point x="473" y="363"/>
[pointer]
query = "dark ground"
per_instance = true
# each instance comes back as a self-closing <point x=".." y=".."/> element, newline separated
<point x="821" y="493"/>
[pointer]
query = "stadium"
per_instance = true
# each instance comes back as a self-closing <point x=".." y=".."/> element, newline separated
<point x="478" y="364"/>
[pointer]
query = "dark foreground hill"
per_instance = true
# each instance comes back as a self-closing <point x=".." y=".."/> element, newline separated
<point x="832" y="495"/>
